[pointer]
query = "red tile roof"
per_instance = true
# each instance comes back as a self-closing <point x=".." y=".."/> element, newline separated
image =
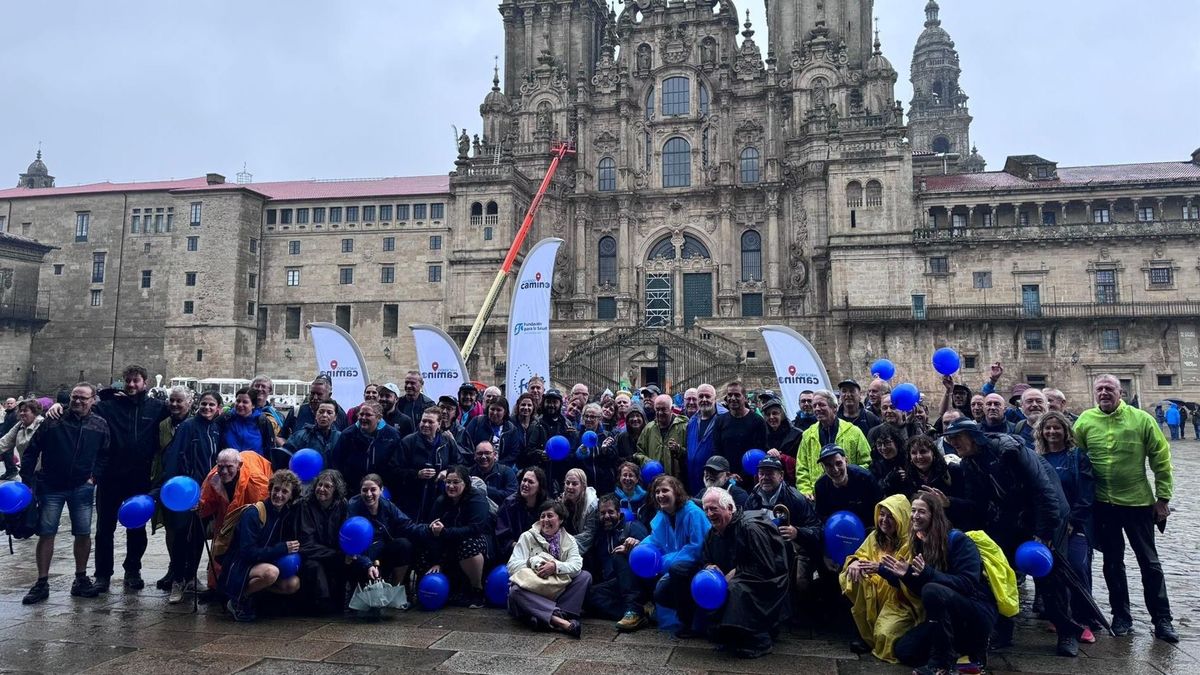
<point x="279" y="191"/>
<point x="1067" y="177"/>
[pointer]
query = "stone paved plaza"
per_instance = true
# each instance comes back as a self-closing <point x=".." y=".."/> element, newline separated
<point x="139" y="633"/>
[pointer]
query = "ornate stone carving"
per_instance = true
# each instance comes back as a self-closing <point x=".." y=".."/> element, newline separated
<point x="749" y="131"/>
<point x="674" y="45"/>
<point x="606" y="142"/>
<point x="563" y="274"/>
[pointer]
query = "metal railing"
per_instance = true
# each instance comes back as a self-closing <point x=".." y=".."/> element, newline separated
<point x="1020" y="312"/>
<point x="23" y="312"/>
<point x="597" y="357"/>
<point x="1040" y="232"/>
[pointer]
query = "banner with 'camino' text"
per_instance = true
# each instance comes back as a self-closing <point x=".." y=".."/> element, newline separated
<point x="529" y="320"/>
<point x="439" y="361"/>
<point x="339" y="359"/>
<point x="797" y="365"/>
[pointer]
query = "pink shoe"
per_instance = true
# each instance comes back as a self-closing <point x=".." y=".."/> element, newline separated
<point x="1086" y="636"/>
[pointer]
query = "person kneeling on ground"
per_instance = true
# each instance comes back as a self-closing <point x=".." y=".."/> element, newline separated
<point x="548" y="583"/>
<point x="881" y="612"/>
<point x="615" y="593"/>
<point x="458" y="535"/>
<point x="250" y="562"/>
<point x="752" y="555"/>
<point x="323" y="564"/>
<point x="391" y="549"/>
<point x="946" y="572"/>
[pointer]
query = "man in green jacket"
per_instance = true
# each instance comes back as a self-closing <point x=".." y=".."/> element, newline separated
<point x="828" y="429"/>
<point x="1120" y="440"/>
<point x="664" y="441"/>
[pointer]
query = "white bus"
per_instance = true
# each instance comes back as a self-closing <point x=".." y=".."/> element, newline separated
<point x="187" y="382"/>
<point x="227" y="386"/>
<point x="288" y="393"/>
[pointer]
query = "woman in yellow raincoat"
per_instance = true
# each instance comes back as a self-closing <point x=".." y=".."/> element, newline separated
<point x="881" y="611"/>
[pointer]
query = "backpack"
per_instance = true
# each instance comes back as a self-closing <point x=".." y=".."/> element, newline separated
<point x="224" y="536"/>
<point x="999" y="574"/>
<point x="478" y="484"/>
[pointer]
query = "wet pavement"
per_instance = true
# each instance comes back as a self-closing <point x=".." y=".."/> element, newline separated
<point x="132" y="633"/>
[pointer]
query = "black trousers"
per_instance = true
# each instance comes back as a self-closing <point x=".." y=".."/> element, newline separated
<point x="184" y="545"/>
<point x="1113" y="524"/>
<point x="323" y="585"/>
<point x="674" y="591"/>
<point x="953" y="625"/>
<point x="390" y="555"/>
<point x="621" y="592"/>
<point x="109" y="495"/>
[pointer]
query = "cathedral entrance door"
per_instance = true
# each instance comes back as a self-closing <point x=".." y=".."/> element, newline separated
<point x="697" y="297"/>
<point x="658" y="300"/>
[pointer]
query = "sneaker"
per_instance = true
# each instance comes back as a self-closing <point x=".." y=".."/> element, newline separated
<point x="631" y="622"/>
<point x="134" y="582"/>
<point x="39" y="593"/>
<point x="176" y="595"/>
<point x="476" y="599"/>
<point x="102" y="583"/>
<point x="575" y="630"/>
<point x="1068" y="646"/>
<point x="242" y="611"/>
<point x="1122" y="627"/>
<point x="1163" y="630"/>
<point x="1087" y="636"/>
<point x="84" y="588"/>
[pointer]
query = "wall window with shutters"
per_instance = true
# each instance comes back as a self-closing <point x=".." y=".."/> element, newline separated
<point x="607" y="262"/>
<point x="752" y="256"/>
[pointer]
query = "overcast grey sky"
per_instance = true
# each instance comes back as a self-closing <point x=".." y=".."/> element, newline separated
<point x="145" y="89"/>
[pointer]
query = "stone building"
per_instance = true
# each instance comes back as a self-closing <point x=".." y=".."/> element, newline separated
<point x="715" y="187"/>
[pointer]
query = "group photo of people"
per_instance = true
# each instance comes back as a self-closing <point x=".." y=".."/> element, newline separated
<point x="913" y="523"/>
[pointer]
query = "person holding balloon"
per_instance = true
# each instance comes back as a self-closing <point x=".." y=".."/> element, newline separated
<point x="751" y="557"/>
<point x="391" y="538"/>
<point x="193" y="454"/>
<point x="845" y="487"/>
<point x="321" y="434"/>
<point x="881" y="612"/>
<point x="631" y="493"/>
<point x="255" y="560"/>
<point x="946" y="573"/>
<point x="319" y="518"/>
<point x="548" y="584"/>
<point x="676" y="538"/>
<point x="596" y="454"/>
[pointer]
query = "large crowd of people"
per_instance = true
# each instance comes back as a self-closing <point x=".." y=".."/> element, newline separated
<point x="465" y="484"/>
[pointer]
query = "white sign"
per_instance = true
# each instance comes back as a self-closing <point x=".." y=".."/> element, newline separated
<point x="339" y="359"/>
<point x="529" y="320"/>
<point x="439" y="361"/>
<point x="797" y="365"/>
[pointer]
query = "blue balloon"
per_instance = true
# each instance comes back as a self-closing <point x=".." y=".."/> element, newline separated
<point x="1034" y="559"/>
<point x="288" y="565"/>
<point x="906" y="396"/>
<point x="386" y="494"/>
<point x="590" y="439"/>
<point x="433" y="591"/>
<point x="650" y="471"/>
<point x="356" y="535"/>
<point x="558" y="447"/>
<point x="844" y="533"/>
<point x="180" y="493"/>
<point x="709" y="589"/>
<point x="496" y="586"/>
<point x="14" y="497"/>
<point x="946" y="361"/>
<point x="583" y="452"/>
<point x="136" y="511"/>
<point x="883" y="369"/>
<point x="751" y="459"/>
<point x="646" y="560"/>
<point x="628" y="514"/>
<point x="307" y="463"/>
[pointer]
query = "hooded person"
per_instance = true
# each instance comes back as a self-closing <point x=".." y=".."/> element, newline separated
<point x="783" y="439"/>
<point x="881" y="611"/>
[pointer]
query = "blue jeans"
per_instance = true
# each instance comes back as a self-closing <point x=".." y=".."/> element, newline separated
<point x="1079" y="554"/>
<point x="1174" y="431"/>
<point x="78" y="501"/>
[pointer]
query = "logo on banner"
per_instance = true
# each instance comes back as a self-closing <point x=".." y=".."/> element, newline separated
<point x="436" y="373"/>
<point x="802" y="378"/>
<point x="335" y="372"/>
<point x="529" y="327"/>
<point x="536" y="283"/>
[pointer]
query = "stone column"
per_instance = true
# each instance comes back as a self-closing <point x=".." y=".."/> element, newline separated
<point x="1160" y="213"/>
<point x="774" y="294"/>
<point x="970" y="216"/>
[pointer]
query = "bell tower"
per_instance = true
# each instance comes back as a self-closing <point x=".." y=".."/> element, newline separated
<point x="938" y="118"/>
<point x="570" y="32"/>
<point x="37" y="175"/>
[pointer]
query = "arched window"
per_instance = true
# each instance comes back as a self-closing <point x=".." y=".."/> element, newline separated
<point x="751" y="256"/>
<point x="607" y="275"/>
<point x="748" y="163"/>
<point x="476" y="213"/>
<point x="703" y="99"/>
<point x="941" y="144"/>
<point x="874" y="193"/>
<point x="854" y="194"/>
<point x="692" y="247"/>
<point x="677" y="163"/>
<point x="493" y="214"/>
<point x="650" y="103"/>
<point x="675" y="96"/>
<point x="606" y="175"/>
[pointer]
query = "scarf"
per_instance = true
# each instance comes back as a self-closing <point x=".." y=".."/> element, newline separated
<point x="554" y="544"/>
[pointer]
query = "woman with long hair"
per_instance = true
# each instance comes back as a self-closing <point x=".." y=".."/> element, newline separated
<point x="881" y="611"/>
<point x="528" y="438"/>
<point x="394" y="538"/>
<point x="582" y="503"/>
<point x="520" y="510"/>
<point x="946" y="573"/>
<point x="927" y="470"/>
<point x="1055" y="442"/>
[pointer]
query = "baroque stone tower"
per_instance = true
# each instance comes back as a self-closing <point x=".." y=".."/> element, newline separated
<point x="938" y="117"/>
<point x="37" y="175"/>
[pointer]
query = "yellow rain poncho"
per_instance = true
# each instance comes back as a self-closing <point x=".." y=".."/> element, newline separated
<point x="881" y="611"/>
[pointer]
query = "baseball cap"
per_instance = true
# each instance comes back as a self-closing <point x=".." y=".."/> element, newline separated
<point x="717" y="463"/>
<point x="848" y="383"/>
<point x="391" y="386"/>
<point x="446" y="398"/>
<point x="770" y="463"/>
<point x="827" y="452"/>
<point x="552" y="393"/>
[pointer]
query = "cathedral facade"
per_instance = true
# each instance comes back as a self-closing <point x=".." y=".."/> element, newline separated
<point x="716" y="185"/>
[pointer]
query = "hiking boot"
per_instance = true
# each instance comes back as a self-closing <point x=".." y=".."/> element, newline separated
<point x="165" y="583"/>
<point x="1163" y="630"/>
<point x="102" y="583"/>
<point x="134" y="582"/>
<point x="575" y="629"/>
<point x="242" y="612"/>
<point x="83" y="587"/>
<point x="859" y="647"/>
<point x="176" y="595"/>
<point x="631" y="622"/>
<point x="39" y="593"/>
<point x="1122" y="627"/>
<point x="1068" y="646"/>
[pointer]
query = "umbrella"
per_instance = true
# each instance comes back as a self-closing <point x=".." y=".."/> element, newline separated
<point x="1083" y="605"/>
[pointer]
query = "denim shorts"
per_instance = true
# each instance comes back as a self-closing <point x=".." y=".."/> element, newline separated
<point x="79" y="505"/>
